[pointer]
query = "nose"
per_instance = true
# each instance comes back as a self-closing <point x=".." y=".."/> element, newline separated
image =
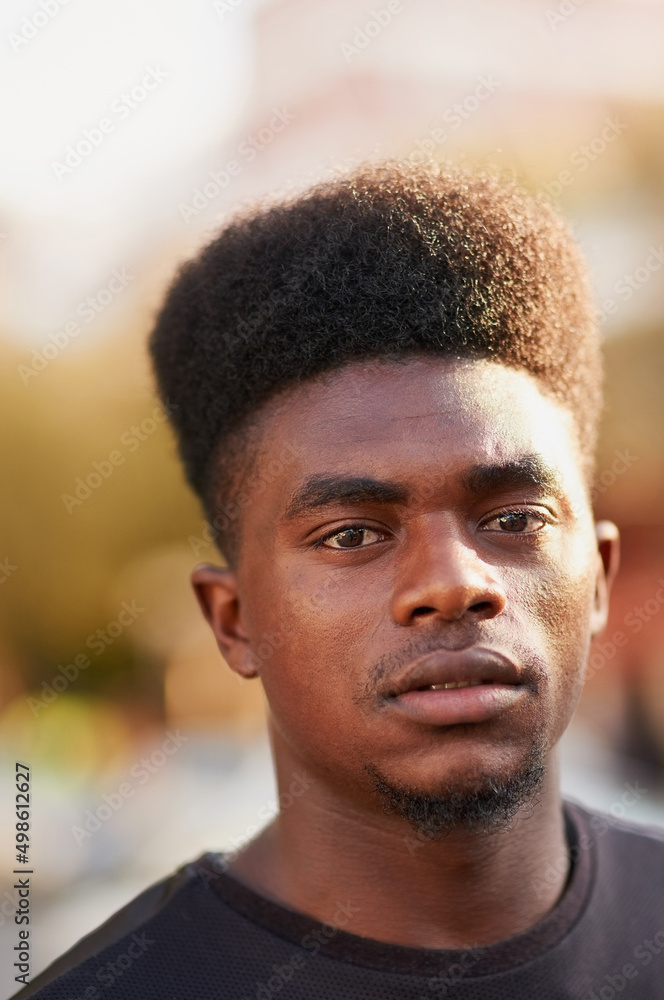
<point x="441" y="576"/>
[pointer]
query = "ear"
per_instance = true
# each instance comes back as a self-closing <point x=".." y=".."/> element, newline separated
<point x="608" y="559"/>
<point x="217" y="593"/>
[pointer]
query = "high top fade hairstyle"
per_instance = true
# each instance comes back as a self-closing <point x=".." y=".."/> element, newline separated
<point x="391" y="261"/>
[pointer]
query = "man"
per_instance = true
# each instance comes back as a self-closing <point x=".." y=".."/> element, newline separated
<point x="386" y="394"/>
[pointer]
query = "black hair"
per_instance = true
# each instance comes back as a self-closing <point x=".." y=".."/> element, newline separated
<point x="389" y="261"/>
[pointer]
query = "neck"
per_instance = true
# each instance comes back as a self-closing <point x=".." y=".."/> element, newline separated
<point x="465" y="890"/>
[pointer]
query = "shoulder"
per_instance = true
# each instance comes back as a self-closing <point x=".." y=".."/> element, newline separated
<point x="625" y="852"/>
<point x="122" y="926"/>
<point x="620" y="828"/>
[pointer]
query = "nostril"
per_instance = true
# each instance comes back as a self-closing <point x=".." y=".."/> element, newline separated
<point x="481" y="606"/>
<point x="423" y="611"/>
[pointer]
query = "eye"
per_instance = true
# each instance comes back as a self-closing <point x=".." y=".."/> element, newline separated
<point x="350" y="538"/>
<point x="524" y="522"/>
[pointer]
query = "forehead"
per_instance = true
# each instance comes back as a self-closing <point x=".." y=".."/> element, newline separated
<point x="421" y="412"/>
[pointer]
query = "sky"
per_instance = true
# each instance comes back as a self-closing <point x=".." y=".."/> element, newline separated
<point x="106" y="106"/>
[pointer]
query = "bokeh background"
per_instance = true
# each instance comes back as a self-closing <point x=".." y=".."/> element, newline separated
<point x="128" y="134"/>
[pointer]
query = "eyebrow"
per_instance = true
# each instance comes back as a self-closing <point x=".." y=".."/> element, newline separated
<point x="526" y="472"/>
<point x="319" y="492"/>
<point x="326" y="491"/>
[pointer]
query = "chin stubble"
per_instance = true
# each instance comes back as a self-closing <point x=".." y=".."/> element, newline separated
<point x="487" y="808"/>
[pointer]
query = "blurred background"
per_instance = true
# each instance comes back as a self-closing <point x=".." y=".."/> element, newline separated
<point x="128" y="134"/>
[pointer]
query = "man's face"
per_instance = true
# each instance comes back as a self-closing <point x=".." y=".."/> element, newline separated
<point x="430" y="528"/>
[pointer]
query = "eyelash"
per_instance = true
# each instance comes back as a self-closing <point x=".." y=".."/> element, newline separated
<point x="338" y="531"/>
<point x="548" y="520"/>
<point x="531" y="512"/>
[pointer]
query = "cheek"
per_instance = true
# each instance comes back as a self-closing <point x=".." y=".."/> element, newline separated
<point x="560" y="607"/>
<point x="311" y="681"/>
<point x="329" y="622"/>
<point x="327" y="609"/>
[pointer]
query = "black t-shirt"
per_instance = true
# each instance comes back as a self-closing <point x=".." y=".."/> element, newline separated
<point x="200" y="935"/>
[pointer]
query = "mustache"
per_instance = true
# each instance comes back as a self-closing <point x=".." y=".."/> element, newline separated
<point x="390" y="664"/>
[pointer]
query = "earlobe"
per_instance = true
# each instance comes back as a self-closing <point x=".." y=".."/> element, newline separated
<point x="608" y="559"/>
<point x="217" y="592"/>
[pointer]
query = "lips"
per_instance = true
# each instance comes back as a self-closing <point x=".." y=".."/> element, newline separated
<point x="454" y="687"/>
<point x="458" y="668"/>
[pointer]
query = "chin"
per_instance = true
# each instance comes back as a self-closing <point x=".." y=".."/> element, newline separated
<point x="474" y="802"/>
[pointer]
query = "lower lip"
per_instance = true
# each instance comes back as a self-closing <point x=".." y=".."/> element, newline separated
<point x="456" y="706"/>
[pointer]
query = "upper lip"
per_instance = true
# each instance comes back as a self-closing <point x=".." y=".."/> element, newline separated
<point x="443" y="666"/>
